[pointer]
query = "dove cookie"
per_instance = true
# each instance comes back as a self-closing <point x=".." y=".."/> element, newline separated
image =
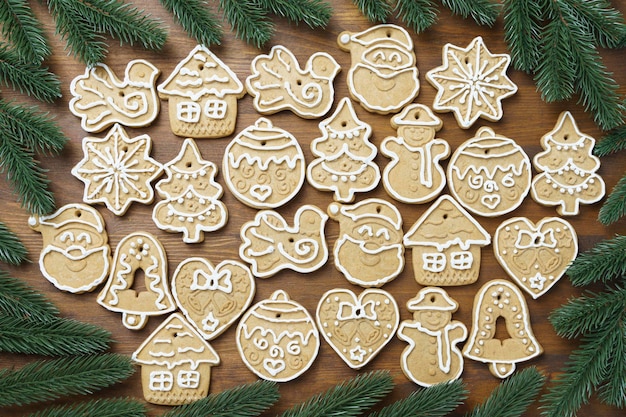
<point x="279" y="83"/>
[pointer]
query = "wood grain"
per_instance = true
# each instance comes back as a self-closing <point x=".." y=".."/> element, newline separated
<point x="526" y="119"/>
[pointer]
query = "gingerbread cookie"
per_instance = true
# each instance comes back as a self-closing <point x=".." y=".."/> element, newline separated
<point x="202" y="92"/>
<point x="191" y="196"/>
<point x="117" y="170"/>
<point x="138" y="251"/>
<point x="76" y="255"/>
<point x="472" y="83"/>
<point x="489" y="174"/>
<point x="345" y="156"/>
<point x="369" y="250"/>
<point x="264" y="166"/>
<point x="277" y="338"/>
<point x="270" y="245"/>
<point x="432" y="336"/>
<point x="175" y="363"/>
<point x="414" y="174"/>
<point x="501" y="299"/>
<point x="446" y="242"/>
<point x="383" y="76"/>
<point x="535" y="255"/>
<point x="357" y="328"/>
<point x="278" y="83"/>
<point x="101" y="99"/>
<point x="568" y="169"/>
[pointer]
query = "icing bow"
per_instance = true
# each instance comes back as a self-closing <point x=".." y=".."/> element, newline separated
<point x="212" y="281"/>
<point x="349" y="311"/>
<point x="528" y="239"/>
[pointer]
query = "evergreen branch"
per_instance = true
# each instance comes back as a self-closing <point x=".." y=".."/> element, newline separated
<point x="109" y="407"/>
<point x="612" y="142"/>
<point x="243" y="401"/>
<point x="435" y="401"/>
<point x="18" y="299"/>
<point x="23" y="31"/>
<point x="604" y="262"/>
<point x="484" y="12"/>
<point x="605" y="23"/>
<point x="612" y="391"/>
<point x="614" y="207"/>
<point x="27" y="78"/>
<point x="419" y="15"/>
<point x="12" y="251"/>
<point x="513" y="396"/>
<point x="349" y="398"/>
<point x="52" y="379"/>
<point x="249" y="21"/>
<point x="376" y="11"/>
<point x="314" y="13"/>
<point x="522" y="32"/>
<point x="196" y="19"/>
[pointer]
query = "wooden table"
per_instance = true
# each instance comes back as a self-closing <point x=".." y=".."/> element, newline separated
<point x="526" y="119"/>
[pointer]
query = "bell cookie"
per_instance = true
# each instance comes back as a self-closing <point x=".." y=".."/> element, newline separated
<point x="191" y="197"/>
<point x="446" y="242"/>
<point x="76" y="255"/>
<point x="270" y="245"/>
<point x="278" y="83"/>
<point x="471" y="82"/>
<point x="432" y="356"/>
<point x="277" y="338"/>
<point x="138" y="251"/>
<point x="489" y="174"/>
<point x="383" y="76"/>
<point x="497" y="299"/>
<point x="415" y="174"/>
<point x="202" y="94"/>
<point x="567" y="168"/>
<point x="536" y="256"/>
<point x="357" y="328"/>
<point x="369" y="250"/>
<point x="264" y="166"/>
<point x="344" y="162"/>
<point x="117" y="170"/>
<point x="101" y="99"/>
<point x="175" y="363"/>
<point x="212" y="297"/>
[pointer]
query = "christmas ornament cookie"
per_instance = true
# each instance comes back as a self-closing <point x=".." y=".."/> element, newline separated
<point x="202" y="93"/>
<point x="277" y="338"/>
<point x="191" y="197"/>
<point x="76" y="255"/>
<point x="357" y="328"/>
<point x="446" y="242"/>
<point x="369" y="250"/>
<point x="535" y="255"/>
<point x="138" y="251"/>
<point x="264" y="166"/>
<point x="414" y="174"/>
<point x="432" y="336"/>
<point x="101" y="99"/>
<point x="489" y="174"/>
<point x="472" y="83"/>
<point x="568" y="169"/>
<point x="117" y="170"/>
<point x="212" y="297"/>
<point x="278" y="83"/>
<point x="501" y="299"/>
<point x="383" y="76"/>
<point x="270" y="245"/>
<point x="175" y="363"/>
<point x="344" y="162"/>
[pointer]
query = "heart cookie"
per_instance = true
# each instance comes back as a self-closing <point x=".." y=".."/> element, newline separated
<point x="212" y="298"/>
<point x="535" y="255"/>
<point x="357" y="328"/>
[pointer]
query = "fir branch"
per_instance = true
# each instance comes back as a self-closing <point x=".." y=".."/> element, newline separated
<point x="349" y="398"/>
<point x="109" y="407"/>
<point x="522" y="32"/>
<point x="419" y="15"/>
<point x="376" y="11"/>
<point x="12" y="251"/>
<point x="484" y="12"/>
<point x="612" y="142"/>
<point x="18" y="299"/>
<point x="23" y="31"/>
<point x="614" y="207"/>
<point x="52" y="379"/>
<point x="243" y="401"/>
<point x="30" y="79"/>
<point x="602" y="263"/>
<point x="435" y="401"/>
<point x="249" y="21"/>
<point x="612" y="391"/>
<point x="314" y="13"/>
<point x="196" y="19"/>
<point x="605" y="23"/>
<point x="513" y="396"/>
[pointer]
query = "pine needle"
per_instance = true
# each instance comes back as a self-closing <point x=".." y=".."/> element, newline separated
<point x="484" y="12"/>
<point x="249" y="21"/>
<point x="314" y="13"/>
<point x="614" y="387"/>
<point x="23" y="31"/>
<point x="196" y="19"/>
<point x="418" y="15"/>
<point x="109" y="407"/>
<point x="243" y="401"/>
<point x="614" y="207"/>
<point x="604" y="262"/>
<point x="26" y="77"/>
<point x="522" y="32"/>
<point x="612" y="142"/>
<point x="605" y="23"/>
<point x="18" y="299"/>
<point x="12" y="251"/>
<point x="376" y="11"/>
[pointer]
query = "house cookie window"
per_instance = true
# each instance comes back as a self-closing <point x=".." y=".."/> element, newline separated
<point x="188" y="112"/>
<point x="461" y="260"/>
<point x="188" y="379"/>
<point x="215" y="109"/>
<point x="434" y="262"/>
<point x="161" y="381"/>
